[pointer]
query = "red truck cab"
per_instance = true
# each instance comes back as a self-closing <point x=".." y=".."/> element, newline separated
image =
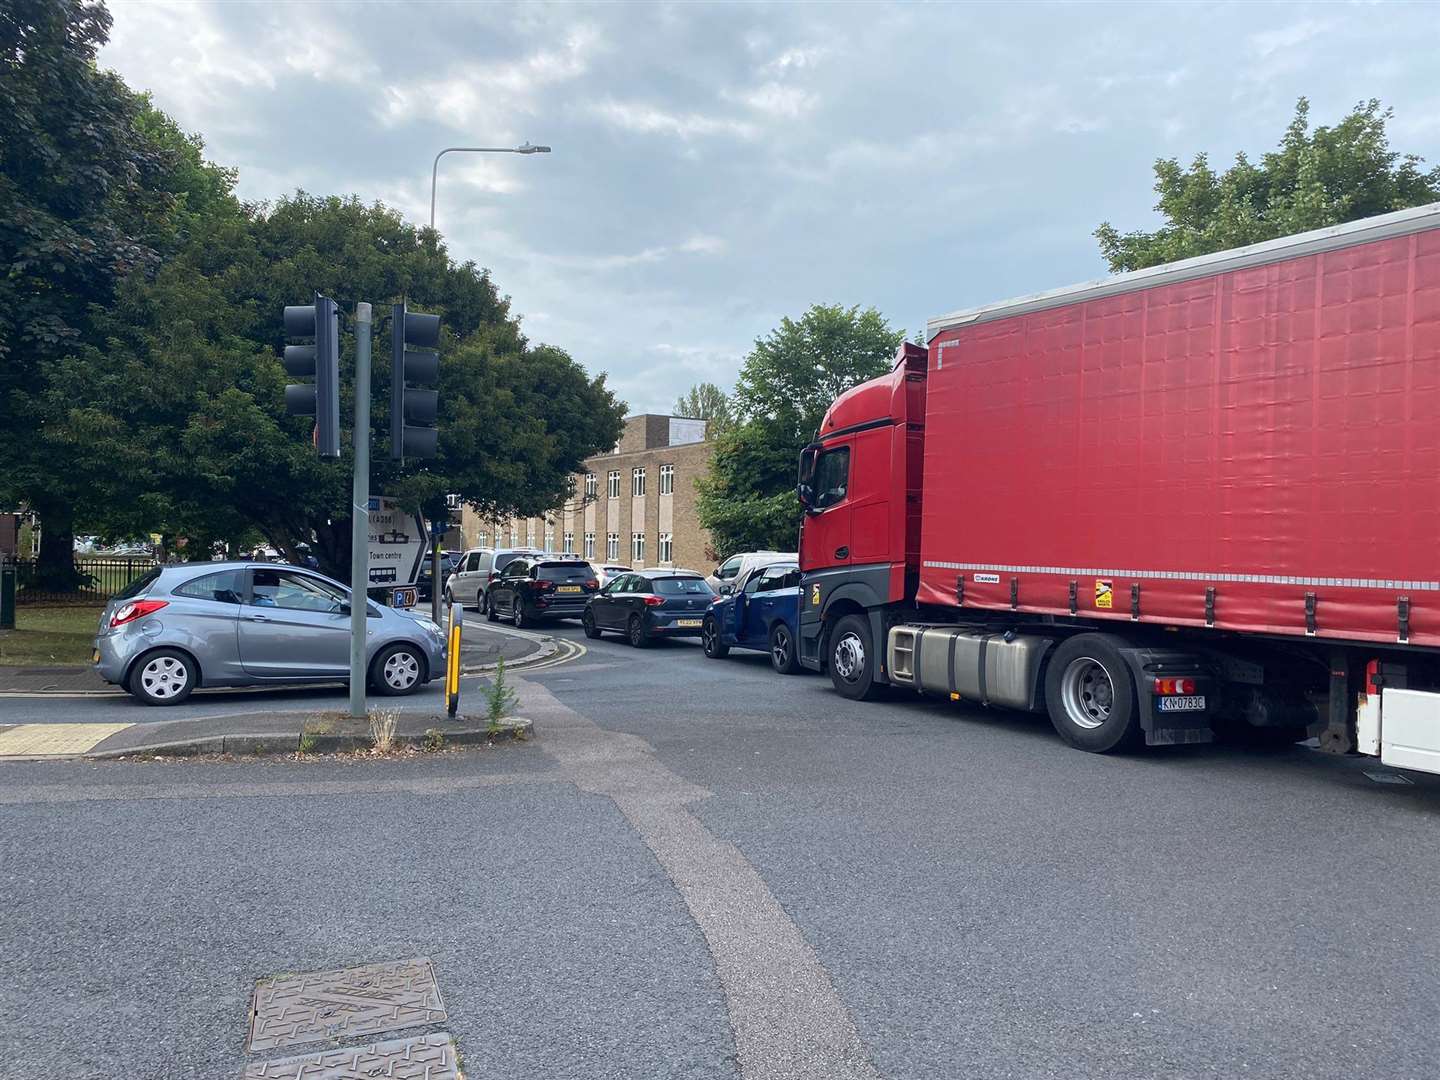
<point x="860" y="486"/>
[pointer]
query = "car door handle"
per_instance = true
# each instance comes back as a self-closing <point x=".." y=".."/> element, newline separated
<point x="259" y="618"/>
<point x="842" y="553"/>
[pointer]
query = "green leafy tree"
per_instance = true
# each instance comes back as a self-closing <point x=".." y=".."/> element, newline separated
<point x="78" y="180"/>
<point x="205" y="447"/>
<point x="787" y="382"/>
<point x="1325" y="176"/>
<point x="705" y="401"/>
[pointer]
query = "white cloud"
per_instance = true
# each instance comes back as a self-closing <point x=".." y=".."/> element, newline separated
<point x="653" y="120"/>
<point x="1268" y="42"/>
<point x="486" y="95"/>
<point x="777" y="100"/>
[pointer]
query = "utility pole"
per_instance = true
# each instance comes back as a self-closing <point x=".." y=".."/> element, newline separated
<point x="360" y="515"/>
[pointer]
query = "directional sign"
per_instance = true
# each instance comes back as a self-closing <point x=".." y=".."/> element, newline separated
<point x="398" y="542"/>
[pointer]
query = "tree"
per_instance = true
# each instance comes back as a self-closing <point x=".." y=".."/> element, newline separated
<point x="77" y="179"/>
<point x="705" y="401"/>
<point x="788" y="381"/>
<point x="1327" y="176"/>
<point x="205" y="447"/>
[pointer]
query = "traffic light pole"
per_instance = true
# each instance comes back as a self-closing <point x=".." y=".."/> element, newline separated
<point x="360" y="514"/>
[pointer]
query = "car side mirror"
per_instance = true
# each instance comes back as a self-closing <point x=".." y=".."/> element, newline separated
<point x="727" y="589"/>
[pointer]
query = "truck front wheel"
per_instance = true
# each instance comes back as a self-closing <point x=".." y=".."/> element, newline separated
<point x="1090" y="694"/>
<point x="852" y="659"/>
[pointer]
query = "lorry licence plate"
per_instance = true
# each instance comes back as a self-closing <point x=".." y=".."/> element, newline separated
<point x="687" y="622"/>
<point x="568" y="588"/>
<point x="1187" y="703"/>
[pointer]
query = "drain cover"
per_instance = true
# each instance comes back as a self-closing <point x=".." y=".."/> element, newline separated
<point x="425" y="1057"/>
<point x="345" y="1004"/>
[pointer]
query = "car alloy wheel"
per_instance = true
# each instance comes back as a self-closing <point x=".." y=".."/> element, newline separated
<point x="637" y="632"/>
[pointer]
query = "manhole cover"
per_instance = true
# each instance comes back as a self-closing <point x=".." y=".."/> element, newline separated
<point x="344" y="1004"/>
<point x="425" y="1057"/>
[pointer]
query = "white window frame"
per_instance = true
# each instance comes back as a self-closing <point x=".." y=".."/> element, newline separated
<point x="637" y="481"/>
<point x="550" y="538"/>
<point x="612" y="484"/>
<point x="569" y="543"/>
<point x="667" y="479"/>
<point x="592" y="485"/>
<point x="637" y="547"/>
<point x="589" y="545"/>
<point x="666" y="548"/>
<point x="612" y="547"/>
<point x="514" y="534"/>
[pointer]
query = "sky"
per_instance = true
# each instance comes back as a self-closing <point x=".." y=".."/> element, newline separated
<point x="718" y="167"/>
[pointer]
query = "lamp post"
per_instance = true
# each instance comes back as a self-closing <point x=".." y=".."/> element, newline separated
<point x="523" y="148"/>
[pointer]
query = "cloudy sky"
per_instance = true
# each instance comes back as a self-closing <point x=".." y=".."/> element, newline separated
<point x="719" y="166"/>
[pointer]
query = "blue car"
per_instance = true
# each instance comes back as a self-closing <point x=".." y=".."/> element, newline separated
<point x="761" y="613"/>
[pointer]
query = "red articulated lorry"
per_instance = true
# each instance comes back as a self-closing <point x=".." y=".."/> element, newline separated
<point x="1194" y="499"/>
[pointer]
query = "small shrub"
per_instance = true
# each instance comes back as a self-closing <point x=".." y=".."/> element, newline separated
<point x="307" y="742"/>
<point x="434" y="740"/>
<point x="500" y="700"/>
<point x="382" y="728"/>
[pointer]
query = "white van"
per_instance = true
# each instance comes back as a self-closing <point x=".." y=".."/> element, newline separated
<point x="737" y="566"/>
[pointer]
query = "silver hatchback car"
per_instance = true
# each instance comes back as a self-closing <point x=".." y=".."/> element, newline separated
<point x="251" y="624"/>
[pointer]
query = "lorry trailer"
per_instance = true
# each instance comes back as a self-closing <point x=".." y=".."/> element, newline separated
<point x="1197" y="499"/>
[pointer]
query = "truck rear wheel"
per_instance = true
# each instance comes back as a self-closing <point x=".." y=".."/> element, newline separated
<point x="851" y="659"/>
<point x="1090" y="694"/>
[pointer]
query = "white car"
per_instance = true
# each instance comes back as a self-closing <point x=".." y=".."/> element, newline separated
<point x="737" y="566"/>
<point x="609" y="571"/>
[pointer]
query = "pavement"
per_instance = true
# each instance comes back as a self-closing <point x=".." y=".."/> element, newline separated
<point x="702" y="869"/>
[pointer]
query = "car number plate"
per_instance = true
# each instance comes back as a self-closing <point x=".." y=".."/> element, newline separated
<point x="1187" y="703"/>
<point x="687" y="622"/>
<point x="568" y="588"/>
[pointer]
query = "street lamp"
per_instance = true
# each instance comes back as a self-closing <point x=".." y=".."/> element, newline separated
<point x="523" y="148"/>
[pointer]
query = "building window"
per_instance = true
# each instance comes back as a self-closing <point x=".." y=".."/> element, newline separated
<point x="667" y="479"/>
<point x="549" y="539"/>
<point x="667" y="548"/>
<point x="612" y="546"/>
<point x="637" y="547"/>
<point x="514" y="535"/>
<point x="612" y="484"/>
<point x="482" y="539"/>
<point x="592" y="485"/>
<point x="589" y="545"/>
<point x="569" y="543"/>
<point x="637" y="481"/>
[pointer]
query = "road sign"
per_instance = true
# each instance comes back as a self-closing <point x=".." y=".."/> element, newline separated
<point x="406" y="597"/>
<point x="398" y="542"/>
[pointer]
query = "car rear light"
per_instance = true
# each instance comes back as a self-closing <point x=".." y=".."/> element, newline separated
<point x="653" y="601"/>
<point x="545" y="586"/>
<point x="135" y="609"/>
<point x="716" y="598"/>
<point x="1174" y="686"/>
<point x="593" y="583"/>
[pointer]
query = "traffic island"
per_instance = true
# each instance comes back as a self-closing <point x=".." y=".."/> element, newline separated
<point x="268" y="734"/>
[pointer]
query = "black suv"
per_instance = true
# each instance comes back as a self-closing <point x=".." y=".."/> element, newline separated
<point x="535" y="587"/>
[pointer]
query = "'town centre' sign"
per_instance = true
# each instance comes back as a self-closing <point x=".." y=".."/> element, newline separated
<point x="397" y="544"/>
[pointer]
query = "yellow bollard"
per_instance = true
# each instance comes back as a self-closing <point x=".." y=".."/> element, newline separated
<point x="452" y="661"/>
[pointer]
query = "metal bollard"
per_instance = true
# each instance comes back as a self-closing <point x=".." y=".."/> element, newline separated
<point x="7" y="594"/>
<point x="452" y="661"/>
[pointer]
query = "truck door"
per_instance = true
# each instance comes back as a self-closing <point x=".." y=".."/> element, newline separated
<point x="825" y="535"/>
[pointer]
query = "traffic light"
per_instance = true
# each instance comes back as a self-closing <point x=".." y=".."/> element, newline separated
<point x="414" y="359"/>
<point x="320" y="322"/>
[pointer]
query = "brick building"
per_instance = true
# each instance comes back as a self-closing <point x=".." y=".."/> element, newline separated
<point x="634" y="506"/>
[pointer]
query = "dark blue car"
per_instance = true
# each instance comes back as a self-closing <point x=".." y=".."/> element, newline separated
<point x="763" y="613"/>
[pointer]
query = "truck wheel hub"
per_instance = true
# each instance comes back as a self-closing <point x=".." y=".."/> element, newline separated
<point x="850" y="657"/>
<point x="1087" y="692"/>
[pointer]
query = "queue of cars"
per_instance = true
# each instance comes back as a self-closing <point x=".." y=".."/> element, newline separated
<point x="751" y="601"/>
<point x="241" y="623"/>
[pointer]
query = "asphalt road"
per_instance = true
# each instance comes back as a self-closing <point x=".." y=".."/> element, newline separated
<point x="704" y="869"/>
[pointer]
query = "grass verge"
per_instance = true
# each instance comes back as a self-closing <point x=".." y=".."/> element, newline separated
<point x="49" y="635"/>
